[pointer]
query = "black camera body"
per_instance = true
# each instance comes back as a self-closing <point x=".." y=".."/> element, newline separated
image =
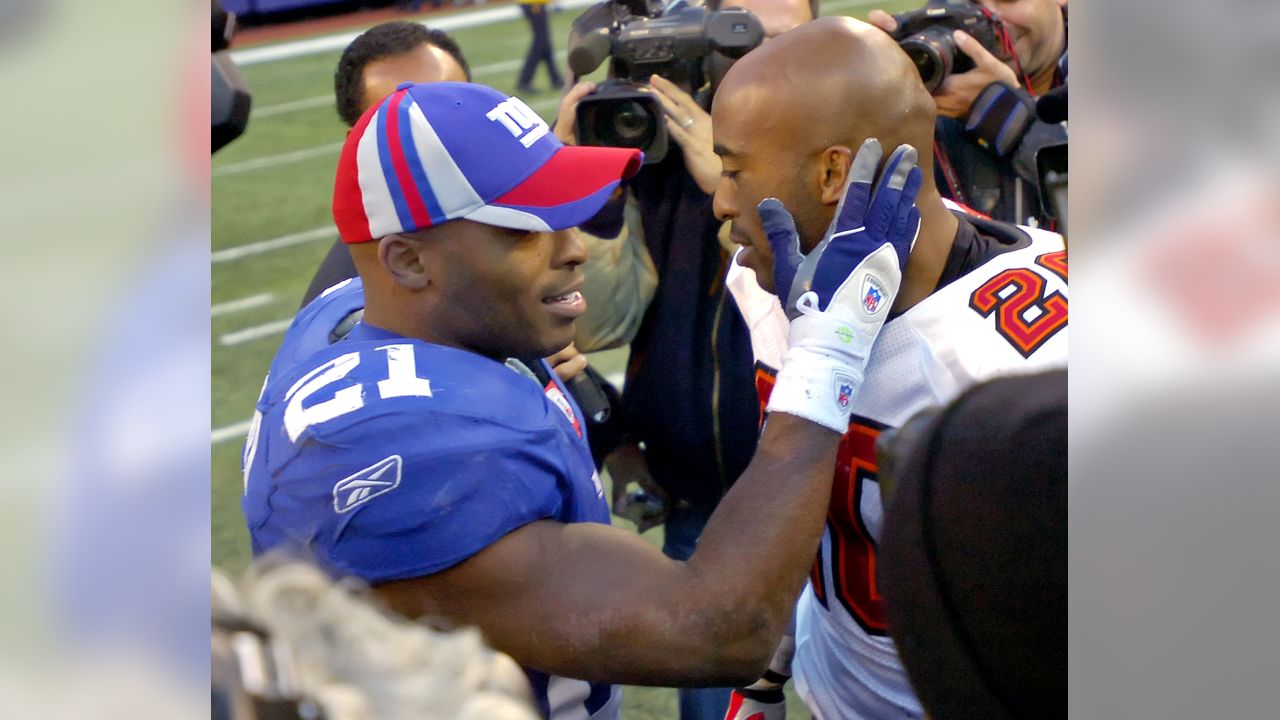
<point x="679" y="43"/>
<point x="926" y="36"/>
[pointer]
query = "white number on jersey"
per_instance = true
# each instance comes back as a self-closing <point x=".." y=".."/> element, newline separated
<point x="402" y="381"/>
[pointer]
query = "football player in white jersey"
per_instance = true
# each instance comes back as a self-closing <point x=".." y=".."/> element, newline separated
<point x="978" y="299"/>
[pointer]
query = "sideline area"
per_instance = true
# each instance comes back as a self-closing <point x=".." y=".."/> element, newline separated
<point x="355" y="23"/>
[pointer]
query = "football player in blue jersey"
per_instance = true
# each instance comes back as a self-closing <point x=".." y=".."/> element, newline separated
<point x="409" y="455"/>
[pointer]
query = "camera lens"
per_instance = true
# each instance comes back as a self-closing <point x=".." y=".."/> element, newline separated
<point x="933" y="51"/>
<point x="622" y="114"/>
<point x="632" y="124"/>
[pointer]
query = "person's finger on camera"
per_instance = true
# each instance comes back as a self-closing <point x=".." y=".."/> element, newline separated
<point x="955" y="95"/>
<point x="568" y="116"/>
<point x="882" y="20"/>
<point x="677" y="106"/>
<point x="680" y="100"/>
<point x="690" y="126"/>
<point x="983" y="59"/>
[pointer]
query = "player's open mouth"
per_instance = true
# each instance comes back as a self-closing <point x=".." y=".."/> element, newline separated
<point x="570" y="304"/>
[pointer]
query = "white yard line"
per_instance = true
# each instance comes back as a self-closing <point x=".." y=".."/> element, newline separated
<point x="236" y="431"/>
<point x="271" y="161"/>
<point x="310" y="103"/>
<point x="248" y="303"/>
<point x="284" y="241"/>
<point x="256" y="332"/>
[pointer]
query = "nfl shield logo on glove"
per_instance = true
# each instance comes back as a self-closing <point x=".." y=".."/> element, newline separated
<point x="872" y="294"/>
<point x="844" y="390"/>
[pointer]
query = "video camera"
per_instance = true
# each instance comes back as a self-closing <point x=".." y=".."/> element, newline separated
<point x="926" y="36"/>
<point x="641" y="38"/>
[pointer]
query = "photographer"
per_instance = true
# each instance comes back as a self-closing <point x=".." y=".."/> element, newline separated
<point x="689" y="404"/>
<point x="987" y="132"/>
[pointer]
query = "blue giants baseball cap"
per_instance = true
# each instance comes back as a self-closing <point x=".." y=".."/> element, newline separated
<point x="434" y="152"/>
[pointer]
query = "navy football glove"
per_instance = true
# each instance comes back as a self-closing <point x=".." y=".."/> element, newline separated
<point x="838" y="296"/>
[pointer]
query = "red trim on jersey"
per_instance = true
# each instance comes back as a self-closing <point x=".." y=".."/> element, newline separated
<point x="853" y="551"/>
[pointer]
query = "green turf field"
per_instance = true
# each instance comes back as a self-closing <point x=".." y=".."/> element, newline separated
<point x="271" y="226"/>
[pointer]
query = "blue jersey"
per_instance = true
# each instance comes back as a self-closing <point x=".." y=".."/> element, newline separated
<point x="388" y="458"/>
<point x="316" y="324"/>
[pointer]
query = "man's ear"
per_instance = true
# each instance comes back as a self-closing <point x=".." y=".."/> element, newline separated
<point x="833" y="170"/>
<point x="401" y="255"/>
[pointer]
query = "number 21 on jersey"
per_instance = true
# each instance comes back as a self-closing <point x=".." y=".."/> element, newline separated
<point x="402" y="380"/>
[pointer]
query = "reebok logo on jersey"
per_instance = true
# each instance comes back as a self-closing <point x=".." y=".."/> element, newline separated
<point x="359" y="488"/>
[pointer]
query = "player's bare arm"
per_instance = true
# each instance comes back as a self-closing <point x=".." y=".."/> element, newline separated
<point x="598" y="603"/>
<point x="717" y="618"/>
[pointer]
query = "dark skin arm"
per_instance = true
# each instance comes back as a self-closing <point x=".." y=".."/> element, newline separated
<point x="598" y="603"/>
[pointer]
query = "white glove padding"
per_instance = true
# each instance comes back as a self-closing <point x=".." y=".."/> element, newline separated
<point x="840" y="294"/>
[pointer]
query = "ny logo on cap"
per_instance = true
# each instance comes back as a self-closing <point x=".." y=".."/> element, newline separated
<point x="520" y="120"/>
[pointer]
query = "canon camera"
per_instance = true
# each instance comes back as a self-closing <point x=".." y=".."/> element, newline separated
<point x="926" y="34"/>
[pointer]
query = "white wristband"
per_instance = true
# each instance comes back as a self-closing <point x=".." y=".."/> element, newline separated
<point x="823" y="367"/>
<point x="816" y="387"/>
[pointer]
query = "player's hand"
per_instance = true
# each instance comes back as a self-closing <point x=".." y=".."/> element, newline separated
<point x="567" y="119"/>
<point x="956" y="94"/>
<point x="690" y="126"/>
<point x="869" y="218"/>
<point x="842" y="291"/>
<point x="568" y="363"/>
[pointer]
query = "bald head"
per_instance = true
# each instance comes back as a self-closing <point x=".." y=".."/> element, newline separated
<point x="788" y="119"/>
<point x="834" y="81"/>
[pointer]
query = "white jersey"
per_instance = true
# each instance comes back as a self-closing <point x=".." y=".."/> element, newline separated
<point x="1007" y="316"/>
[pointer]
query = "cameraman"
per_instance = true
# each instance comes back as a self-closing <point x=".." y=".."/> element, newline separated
<point x="999" y="178"/>
<point x="689" y="404"/>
